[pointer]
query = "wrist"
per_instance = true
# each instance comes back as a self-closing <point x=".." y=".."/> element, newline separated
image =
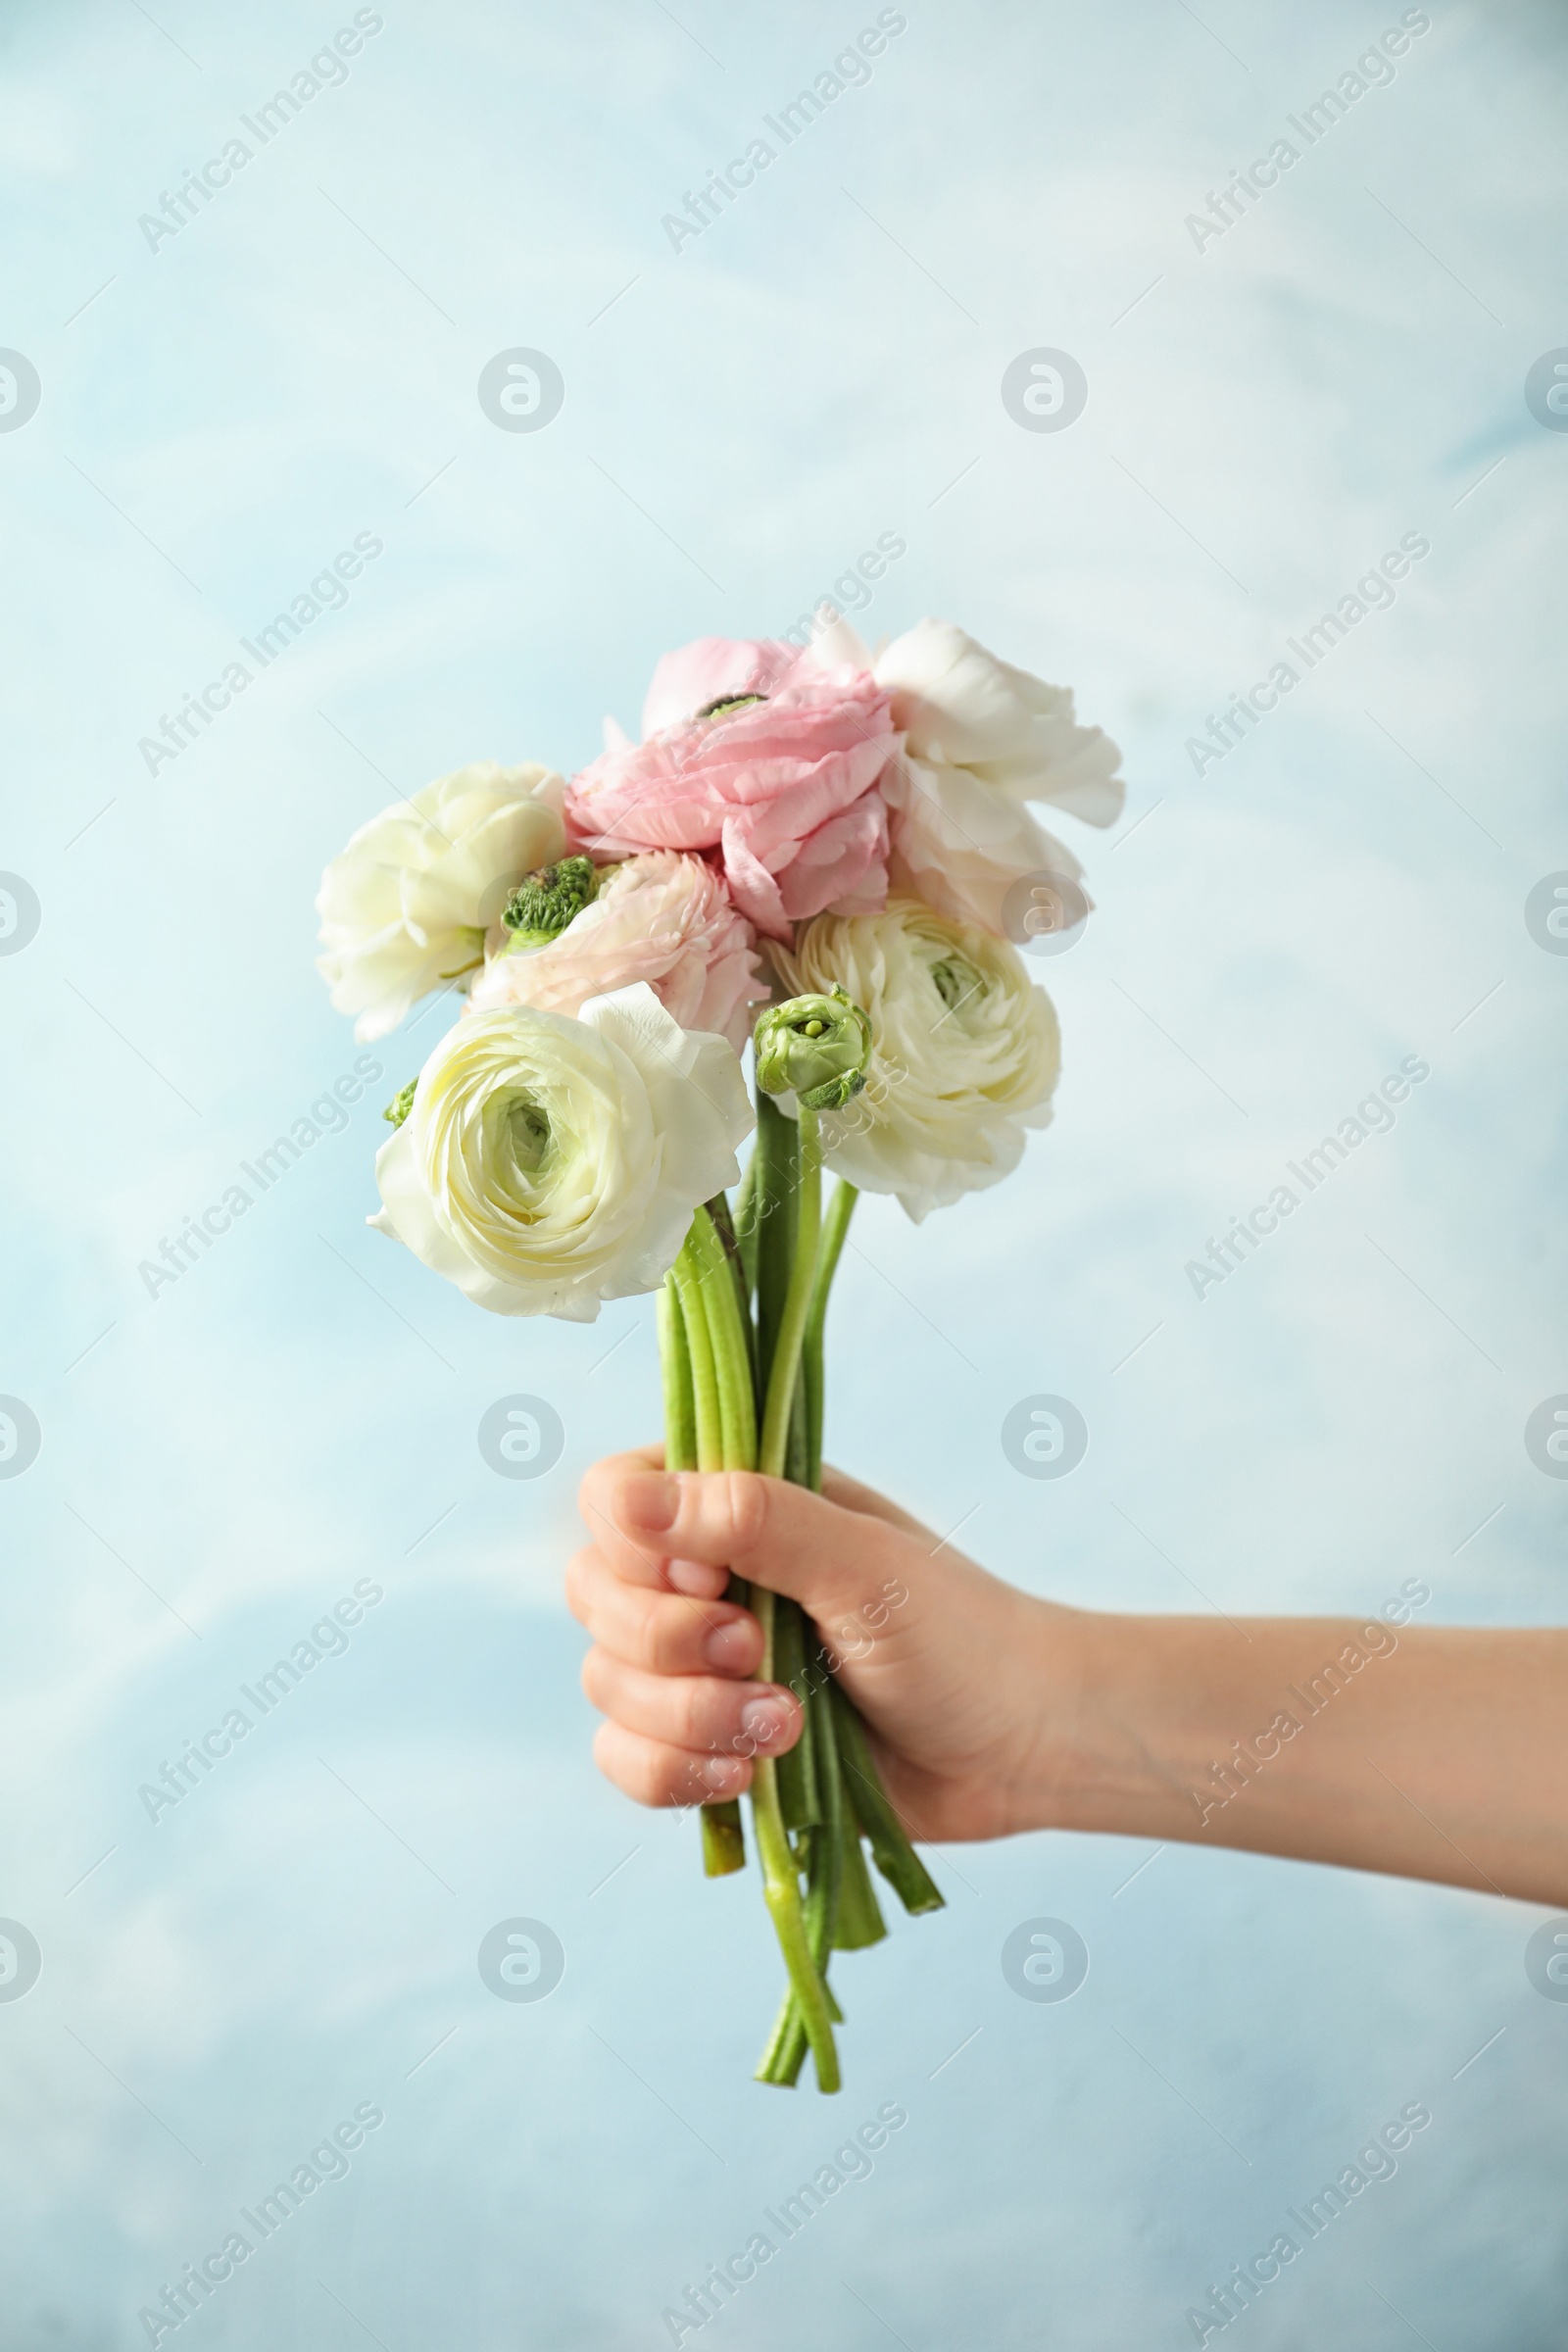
<point x="1095" y="1755"/>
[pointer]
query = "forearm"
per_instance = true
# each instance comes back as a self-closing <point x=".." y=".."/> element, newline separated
<point x="1429" y="1752"/>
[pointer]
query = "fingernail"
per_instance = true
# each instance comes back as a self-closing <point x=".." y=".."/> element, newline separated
<point x="696" y="1577"/>
<point x="723" y="1773"/>
<point x="650" y="1501"/>
<point x="732" y="1647"/>
<point x="764" y="1721"/>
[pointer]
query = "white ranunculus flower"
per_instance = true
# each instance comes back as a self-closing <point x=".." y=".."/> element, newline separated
<point x="547" y="1164"/>
<point x="957" y="704"/>
<point x="964" y="847"/>
<point x="407" y="904"/>
<point x="981" y="740"/>
<point x="965" y="1050"/>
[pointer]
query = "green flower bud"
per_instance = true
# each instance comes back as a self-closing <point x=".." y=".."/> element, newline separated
<point x="543" y="902"/>
<point x="815" y="1047"/>
<point x="402" y="1102"/>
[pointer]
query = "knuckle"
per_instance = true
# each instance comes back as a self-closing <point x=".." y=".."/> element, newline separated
<point x="587" y="1487"/>
<point x="630" y="1766"/>
<point x="658" y="1641"/>
<point x="745" y="1506"/>
<point x="659" y="1777"/>
<point x="606" y="1757"/>
<point x="691" y="1714"/>
<point x="579" y="1570"/>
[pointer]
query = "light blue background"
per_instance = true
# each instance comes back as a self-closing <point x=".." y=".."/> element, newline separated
<point x="221" y="1463"/>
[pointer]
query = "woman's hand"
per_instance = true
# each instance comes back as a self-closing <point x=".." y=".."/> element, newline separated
<point x="952" y="1669"/>
<point x="1435" y="1751"/>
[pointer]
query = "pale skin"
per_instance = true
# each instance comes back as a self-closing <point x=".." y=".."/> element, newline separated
<point x="1442" y="1756"/>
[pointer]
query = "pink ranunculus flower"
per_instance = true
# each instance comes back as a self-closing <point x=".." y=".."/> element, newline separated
<point x="661" y="917"/>
<point x="713" y="669"/>
<point x="784" y="790"/>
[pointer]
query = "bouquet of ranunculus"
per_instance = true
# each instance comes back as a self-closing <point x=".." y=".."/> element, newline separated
<point x="821" y="853"/>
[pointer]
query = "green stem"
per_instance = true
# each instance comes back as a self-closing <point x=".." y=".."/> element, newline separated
<point x="835" y="1227"/>
<point x="723" y="1839"/>
<point x="860" y="1921"/>
<point x="783" y="1324"/>
<point x="745" y="1221"/>
<point x="786" y="1362"/>
<point x="687" y="1272"/>
<point x="697" y="1424"/>
<point x="680" y="1412"/>
<point x="830" y="1844"/>
<point x="781" y="1890"/>
<point x="782" y="1884"/>
<point x="707" y="1294"/>
<point x="890" y="1850"/>
<point x="776" y="1162"/>
<point x="798" y="1782"/>
<point x="797" y="1466"/>
<point x="725" y="1226"/>
<point x="720" y="1308"/>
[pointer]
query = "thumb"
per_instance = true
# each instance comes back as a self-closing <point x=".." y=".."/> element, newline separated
<point x="843" y="1566"/>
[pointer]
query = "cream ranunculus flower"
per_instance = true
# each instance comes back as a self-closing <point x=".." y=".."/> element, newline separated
<point x="408" y="903"/>
<point x="547" y="1164"/>
<point x="965" y="1050"/>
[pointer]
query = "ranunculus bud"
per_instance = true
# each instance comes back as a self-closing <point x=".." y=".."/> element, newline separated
<point x="546" y="901"/>
<point x="814" y="1047"/>
<point x="402" y="1102"/>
